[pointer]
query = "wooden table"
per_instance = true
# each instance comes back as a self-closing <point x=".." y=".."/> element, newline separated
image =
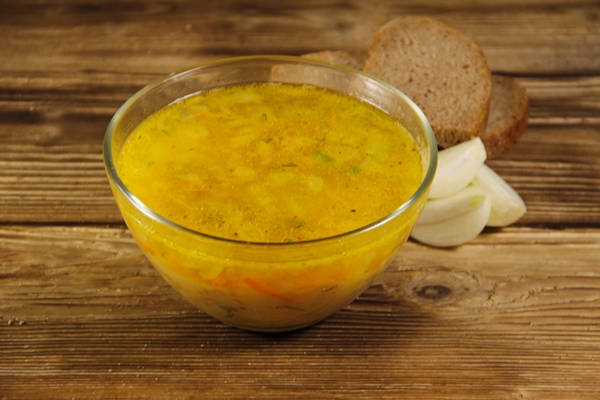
<point x="515" y="314"/>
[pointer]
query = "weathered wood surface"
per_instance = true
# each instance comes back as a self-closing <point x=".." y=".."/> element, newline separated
<point x="515" y="314"/>
<point x="86" y="315"/>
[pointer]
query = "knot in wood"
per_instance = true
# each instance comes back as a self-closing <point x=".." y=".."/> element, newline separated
<point x="433" y="292"/>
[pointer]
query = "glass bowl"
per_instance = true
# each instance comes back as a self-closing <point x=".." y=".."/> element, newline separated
<point x="269" y="287"/>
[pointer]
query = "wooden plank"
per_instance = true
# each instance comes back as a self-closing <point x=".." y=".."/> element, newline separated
<point x="514" y="314"/>
<point x="51" y="167"/>
<point x="564" y="101"/>
<point x="559" y="181"/>
<point x="166" y="36"/>
<point x="60" y="266"/>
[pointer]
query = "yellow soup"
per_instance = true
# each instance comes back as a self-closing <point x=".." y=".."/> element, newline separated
<point x="270" y="163"/>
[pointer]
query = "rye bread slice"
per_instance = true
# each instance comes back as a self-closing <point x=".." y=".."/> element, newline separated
<point x="352" y="59"/>
<point x="442" y="71"/>
<point x="508" y="116"/>
<point x="509" y="106"/>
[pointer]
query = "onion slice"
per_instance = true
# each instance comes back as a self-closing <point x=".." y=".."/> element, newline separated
<point x="457" y="167"/>
<point x="455" y="219"/>
<point x="507" y="205"/>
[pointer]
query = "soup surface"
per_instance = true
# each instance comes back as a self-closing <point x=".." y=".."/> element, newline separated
<point x="271" y="163"/>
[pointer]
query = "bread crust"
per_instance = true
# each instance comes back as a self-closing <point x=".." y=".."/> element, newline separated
<point x="505" y="110"/>
<point x="442" y="71"/>
<point x="508" y="116"/>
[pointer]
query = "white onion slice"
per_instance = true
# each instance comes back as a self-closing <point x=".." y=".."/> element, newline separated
<point x="455" y="219"/>
<point x="507" y="205"/>
<point x="457" y="167"/>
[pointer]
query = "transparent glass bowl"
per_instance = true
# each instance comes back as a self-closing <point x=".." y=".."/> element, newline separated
<point x="264" y="286"/>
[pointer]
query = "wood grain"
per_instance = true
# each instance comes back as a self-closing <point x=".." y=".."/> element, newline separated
<point x="438" y="323"/>
<point x="51" y="166"/>
<point x="514" y="314"/>
<point x="164" y="36"/>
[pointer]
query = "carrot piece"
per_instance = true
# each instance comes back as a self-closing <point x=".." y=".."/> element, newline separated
<point x="259" y="287"/>
<point x="219" y="281"/>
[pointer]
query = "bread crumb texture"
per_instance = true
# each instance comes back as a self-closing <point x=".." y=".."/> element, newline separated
<point x="442" y="71"/>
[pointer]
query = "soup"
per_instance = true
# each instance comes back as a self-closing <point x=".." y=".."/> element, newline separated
<point x="272" y="163"/>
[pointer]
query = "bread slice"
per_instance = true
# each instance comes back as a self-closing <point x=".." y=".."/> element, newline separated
<point x="508" y="116"/>
<point x="352" y="59"/>
<point x="509" y="105"/>
<point x="442" y="71"/>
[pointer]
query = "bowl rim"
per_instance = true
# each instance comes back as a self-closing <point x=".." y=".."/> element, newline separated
<point x="148" y="212"/>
